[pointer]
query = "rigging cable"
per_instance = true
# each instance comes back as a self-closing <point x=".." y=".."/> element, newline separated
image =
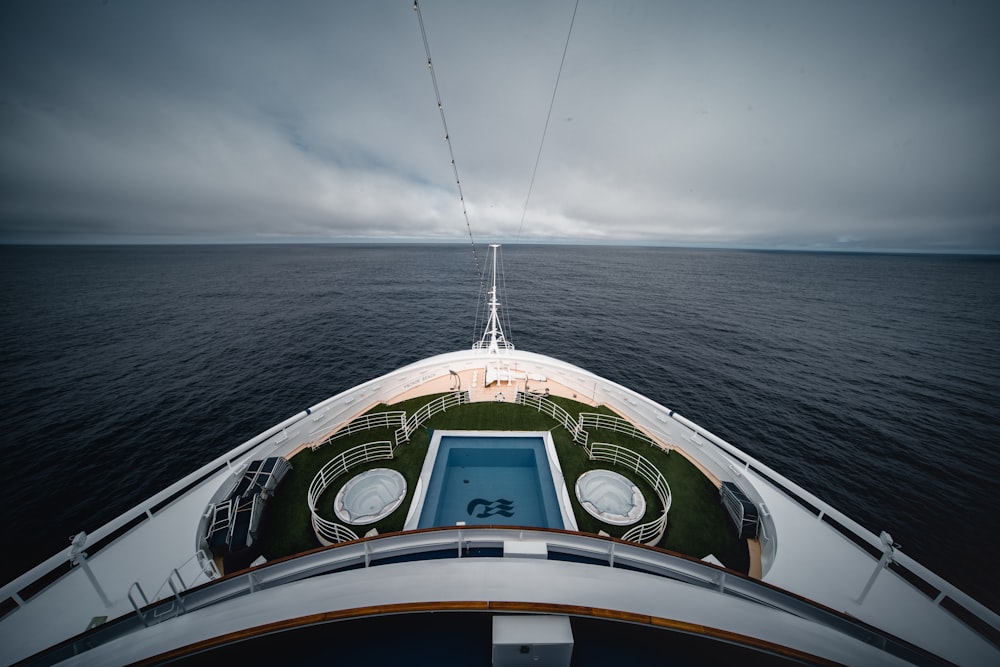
<point x="505" y="311"/>
<point x="547" y="117"/>
<point x="451" y="152"/>
<point x="541" y="144"/>
<point x="447" y="138"/>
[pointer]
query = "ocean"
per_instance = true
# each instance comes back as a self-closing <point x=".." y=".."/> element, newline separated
<point x="872" y="380"/>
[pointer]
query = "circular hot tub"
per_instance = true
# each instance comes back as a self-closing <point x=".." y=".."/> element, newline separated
<point x="370" y="496"/>
<point x="610" y="497"/>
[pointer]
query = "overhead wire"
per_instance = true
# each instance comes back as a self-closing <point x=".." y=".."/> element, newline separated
<point x="548" y="116"/>
<point x="447" y="135"/>
<point x="451" y="152"/>
<point x="454" y="166"/>
<point x="541" y="144"/>
<point x="505" y="311"/>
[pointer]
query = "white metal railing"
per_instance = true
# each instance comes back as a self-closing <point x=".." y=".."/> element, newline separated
<point x="483" y="345"/>
<point x="430" y="544"/>
<point x="391" y="419"/>
<point x="647" y="533"/>
<point x="426" y="411"/>
<point x="555" y="411"/>
<point x="617" y="424"/>
<point x="198" y="568"/>
<point x="330" y="532"/>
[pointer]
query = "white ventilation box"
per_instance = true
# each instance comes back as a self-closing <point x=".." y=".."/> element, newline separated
<point x="517" y="549"/>
<point x="542" y="640"/>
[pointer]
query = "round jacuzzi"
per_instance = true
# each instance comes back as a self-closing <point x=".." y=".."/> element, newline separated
<point x="610" y="497"/>
<point x="370" y="496"/>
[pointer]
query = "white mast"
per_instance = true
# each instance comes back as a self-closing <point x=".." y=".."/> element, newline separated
<point x="493" y="339"/>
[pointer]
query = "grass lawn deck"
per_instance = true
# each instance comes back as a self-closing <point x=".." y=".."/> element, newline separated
<point x="697" y="526"/>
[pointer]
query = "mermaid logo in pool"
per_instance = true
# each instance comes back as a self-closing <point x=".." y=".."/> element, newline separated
<point x="501" y="506"/>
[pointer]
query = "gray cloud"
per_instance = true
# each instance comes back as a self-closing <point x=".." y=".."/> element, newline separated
<point x="774" y="124"/>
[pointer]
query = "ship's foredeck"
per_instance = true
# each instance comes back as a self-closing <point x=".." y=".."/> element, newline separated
<point x="802" y="551"/>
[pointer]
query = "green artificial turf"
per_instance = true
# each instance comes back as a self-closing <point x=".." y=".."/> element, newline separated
<point x="697" y="523"/>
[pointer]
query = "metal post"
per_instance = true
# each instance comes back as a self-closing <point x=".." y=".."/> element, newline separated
<point x="78" y="557"/>
<point x="888" y="550"/>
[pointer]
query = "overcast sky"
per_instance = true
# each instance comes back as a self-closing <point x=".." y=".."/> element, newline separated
<point x="841" y="124"/>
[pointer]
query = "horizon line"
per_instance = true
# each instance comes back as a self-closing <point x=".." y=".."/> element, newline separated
<point x="13" y="243"/>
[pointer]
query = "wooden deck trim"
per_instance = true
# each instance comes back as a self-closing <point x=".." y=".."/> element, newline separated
<point x="500" y="607"/>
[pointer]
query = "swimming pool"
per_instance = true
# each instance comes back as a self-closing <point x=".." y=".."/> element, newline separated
<point x="491" y="478"/>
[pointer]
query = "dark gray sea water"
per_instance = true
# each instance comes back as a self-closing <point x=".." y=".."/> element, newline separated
<point x="872" y="380"/>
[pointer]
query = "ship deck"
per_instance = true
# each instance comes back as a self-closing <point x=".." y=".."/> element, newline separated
<point x="806" y="550"/>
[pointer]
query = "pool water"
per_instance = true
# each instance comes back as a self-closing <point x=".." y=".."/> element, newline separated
<point x="491" y="481"/>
